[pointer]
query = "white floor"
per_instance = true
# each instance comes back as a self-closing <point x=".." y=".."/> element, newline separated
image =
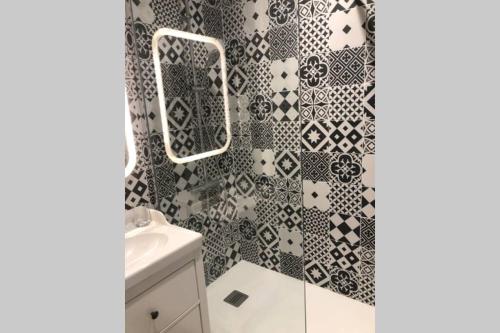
<point x="276" y="305"/>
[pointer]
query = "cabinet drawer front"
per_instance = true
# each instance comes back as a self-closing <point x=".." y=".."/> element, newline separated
<point x="191" y="323"/>
<point x="169" y="298"/>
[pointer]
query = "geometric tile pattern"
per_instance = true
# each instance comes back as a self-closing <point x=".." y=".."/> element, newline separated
<point x="344" y="282"/>
<point x="292" y="265"/>
<point x="313" y="35"/>
<point x="313" y="8"/>
<point x="315" y="166"/>
<point x="290" y="216"/>
<point x="305" y="198"/>
<point x="347" y="136"/>
<point x="368" y="233"/>
<point x="314" y="104"/>
<point x="269" y="258"/>
<point x="344" y="228"/>
<point x="366" y="292"/>
<point x="317" y="247"/>
<point x="347" y="66"/>
<point x="316" y="222"/>
<point x="315" y="136"/>
<point x="286" y="135"/>
<point x="284" y="73"/>
<point x="288" y="191"/>
<point x="286" y="106"/>
<point x="257" y="49"/>
<point x="341" y="5"/>
<point x="346" y="199"/>
<point x="346" y="257"/>
<point x="346" y="102"/>
<point x="283" y="41"/>
<point x="287" y="164"/>
<point x="347" y="29"/>
<point x="316" y="273"/>
<point x="368" y="202"/>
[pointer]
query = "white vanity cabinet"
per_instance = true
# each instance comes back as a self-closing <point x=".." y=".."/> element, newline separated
<point x="175" y="304"/>
<point x="164" y="279"/>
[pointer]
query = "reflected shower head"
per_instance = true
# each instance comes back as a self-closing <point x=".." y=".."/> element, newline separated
<point x="212" y="58"/>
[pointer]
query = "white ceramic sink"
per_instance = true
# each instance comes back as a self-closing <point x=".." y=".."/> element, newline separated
<point x="151" y="249"/>
<point x="143" y="245"/>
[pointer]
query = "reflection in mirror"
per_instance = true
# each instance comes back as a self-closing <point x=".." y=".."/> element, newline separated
<point x="130" y="157"/>
<point x="192" y="95"/>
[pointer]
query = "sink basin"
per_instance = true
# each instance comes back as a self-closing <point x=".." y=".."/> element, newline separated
<point x="153" y="249"/>
<point x="142" y="245"/>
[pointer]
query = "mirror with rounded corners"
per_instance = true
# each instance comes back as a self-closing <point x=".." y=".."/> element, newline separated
<point x="130" y="154"/>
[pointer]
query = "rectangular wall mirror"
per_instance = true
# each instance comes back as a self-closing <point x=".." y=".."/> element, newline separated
<point x="186" y="64"/>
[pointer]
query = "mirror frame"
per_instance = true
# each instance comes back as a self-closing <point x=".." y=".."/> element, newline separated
<point x="129" y="140"/>
<point x="161" y="97"/>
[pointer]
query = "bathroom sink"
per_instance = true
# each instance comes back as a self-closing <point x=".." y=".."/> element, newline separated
<point x="139" y="247"/>
<point x="153" y="249"/>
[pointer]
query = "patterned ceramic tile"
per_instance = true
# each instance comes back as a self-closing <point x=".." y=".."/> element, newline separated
<point x="346" y="102"/>
<point x="292" y="265"/>
<point x="313" y="35"/>
<point x="346" y="198"/>
<point x="290" y="216"/>
<point x="286" y="106"/>
<point x="315" y="166"/>
<point x="267" y="211"/>
<point x="368" y="202"/>
<point x="312" y="8"/>
<point x="345" y="228"/>
<point x="344" y="282"/>
<point x="314" y="72"/>
<point x="257" y="46"/>
<point x="347" y="136"/>
<point x="286" y="135"/>
<point x="283" y="41"/>
<point x="264" y="162"/>
<point x="256" y="18"/>
<point x="316" y="222"/>
<point x="346" y="168"/>
<point x="347" y="29"/>
<point x="284" y="75"/>
<point x="316" y="195"/>
<point x="212" y="21"/>
<point x="315" y="136"/>
<point x="237" y="80"/>
<point x="287" y="164"/>
<point x="366" y="292"/>
<point x="347" y="66"/>
<point x="290" y="241"/>
<point x="282" y="11"/>
<point x="266" y="187"/>
<point x="346" y="257"/>
<point x="269" y="258"/>
<point x="315" y="103"/>
<point x="259" y="78"/>
<point x="316" y="273"/>
<point x="317" y="247"/>
<point x="262" y="135"/>
<point x="369" y="101"/>
<point x="341" y="5"/>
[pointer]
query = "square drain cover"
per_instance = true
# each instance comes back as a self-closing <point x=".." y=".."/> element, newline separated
<point x="236" y="298"/>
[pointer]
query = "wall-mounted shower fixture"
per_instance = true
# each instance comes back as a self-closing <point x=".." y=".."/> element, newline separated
<point x="161" y="97"/>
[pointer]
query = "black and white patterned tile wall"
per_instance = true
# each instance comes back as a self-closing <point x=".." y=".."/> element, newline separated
<point x="337" y="104"/>
<point x="297" y="191"/>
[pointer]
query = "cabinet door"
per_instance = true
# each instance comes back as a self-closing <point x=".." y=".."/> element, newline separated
<point x="191" y="323"/>
<point x="165" y="301"/>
